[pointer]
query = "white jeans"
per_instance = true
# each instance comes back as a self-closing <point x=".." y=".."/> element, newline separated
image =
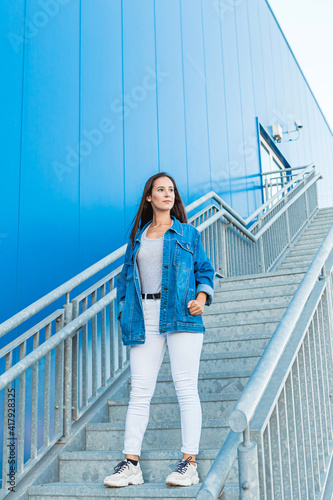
<point x="145" y="362"/>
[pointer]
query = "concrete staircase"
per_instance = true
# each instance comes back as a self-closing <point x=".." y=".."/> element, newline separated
<point x="239" y="324"/>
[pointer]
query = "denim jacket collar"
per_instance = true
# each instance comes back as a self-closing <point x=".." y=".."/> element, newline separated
<point x="176" y="226"/>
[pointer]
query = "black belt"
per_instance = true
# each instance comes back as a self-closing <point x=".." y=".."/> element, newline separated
<point x="151" y="295"/>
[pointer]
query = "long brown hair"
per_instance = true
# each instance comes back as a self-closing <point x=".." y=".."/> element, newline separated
<point x="145" y="211"/>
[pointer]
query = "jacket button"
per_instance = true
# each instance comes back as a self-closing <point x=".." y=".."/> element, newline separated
<point x="165" y="288"/>
<point x="166" y="267"/>
<point x="187" y="247"/>
<point x="162" y="331"/>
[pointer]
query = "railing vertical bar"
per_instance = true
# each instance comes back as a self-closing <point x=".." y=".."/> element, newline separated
<point x="94" y="346"/>
<point x="84" y="357"/>
<point x="59" y="381"/>
<point x="21" y="413"/>
<point x="313" y="411"/>
<point x="8" y="422"/>
<point x="313" y="360"/>
<point x="302" y="376"/>
<point x="276" y="453"/>
<point x="75" y="365"/>
<point x="300" y="431"/>
<point x="293" y="437"/>
<point x="47" y="390"/>
<point x="321" y="386"/>
<point x="326" y="367"/>
<point x="270" y="460"/>
<point x="34" y="400"/>
<point x="103" y="341"/>
<point x="112" y="331"/>
<point x="285" y="448"/>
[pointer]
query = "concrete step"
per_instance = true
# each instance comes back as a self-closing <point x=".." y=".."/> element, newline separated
<point x="208" y="383"/>
<point x="310" y="247"/>
<point x="262" y="280"/>
<point x="156" y="465"/>
<point x="240" y="331"/>
<point x="256" y="341"/>
<point x="298" y="259"/>
<point x="221" y="361"/>
<point x="263" y="291"/>
<point x="301" y="251"/>
<point x="309" y="238"/>
<point x="160" y="435"/>
<point x="167" y="408"/>
<point x="247" y="304"/>
<point x="317" y="231"/>
<point x="96" y="490"/>
<point x="243" y="318"/>
<point x="292" y="265"/>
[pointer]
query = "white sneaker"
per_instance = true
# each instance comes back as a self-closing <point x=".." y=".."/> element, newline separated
<point x="125" y="473"/>
<point x="184" y="474"/>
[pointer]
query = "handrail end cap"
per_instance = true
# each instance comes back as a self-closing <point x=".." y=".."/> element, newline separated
<point x="238" y="421"/>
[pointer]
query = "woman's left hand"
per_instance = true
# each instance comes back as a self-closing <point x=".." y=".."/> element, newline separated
<point x="196" y="307"/>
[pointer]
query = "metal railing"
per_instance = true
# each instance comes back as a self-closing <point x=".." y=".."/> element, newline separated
<point x="288" y="451"/>
<point x="80" y="353"/>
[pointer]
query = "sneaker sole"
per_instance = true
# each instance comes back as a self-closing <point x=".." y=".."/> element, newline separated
<point x="134" y="481"/>
<point x="170" y="483"/>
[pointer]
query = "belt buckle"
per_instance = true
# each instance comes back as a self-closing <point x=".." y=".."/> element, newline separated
<point x="154" y="297"/>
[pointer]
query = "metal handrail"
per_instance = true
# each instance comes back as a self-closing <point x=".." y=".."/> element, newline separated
<point x="254" y="389"/>
<point x="63" y="334"/>
<point x="245" y="222"/>
<point x="288" y="169"/>
<point x="69" y="285"/>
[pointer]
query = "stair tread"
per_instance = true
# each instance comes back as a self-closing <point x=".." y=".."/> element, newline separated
<point x="223" y="396"/>
<point x="220" y="375"/>
<point x="98" y="490"/>
<point x="173" y="454"/>
<point x="226" y="355"/>
<point x="159" y="424"/>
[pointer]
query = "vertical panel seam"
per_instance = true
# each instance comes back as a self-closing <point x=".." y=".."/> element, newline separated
<point x="122" y="100"/>
<point x="241" y="107"/>
<point x="184" y="100"/>
<point x="225" y="107"/>
<point x="205" y="74"/>
<point x="20" y="161"/>
<point x="157" y="115"/>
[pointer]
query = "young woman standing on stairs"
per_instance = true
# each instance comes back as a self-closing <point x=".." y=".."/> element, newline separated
<point x="165" y="282"/>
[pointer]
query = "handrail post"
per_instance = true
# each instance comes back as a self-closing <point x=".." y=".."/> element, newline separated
<point x="248" y="468"/>
<point x="68" y="307"/>
<point x="261" y="249"/>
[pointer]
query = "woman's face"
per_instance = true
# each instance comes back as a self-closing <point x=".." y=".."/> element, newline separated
<point x="162" y="197"/>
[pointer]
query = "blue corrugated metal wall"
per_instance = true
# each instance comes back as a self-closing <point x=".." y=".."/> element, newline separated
<point x="75" y="154"/>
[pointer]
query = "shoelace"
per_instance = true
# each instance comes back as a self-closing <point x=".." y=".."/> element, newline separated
<point x="182" y="466"/>
<point x="121" y="466"/>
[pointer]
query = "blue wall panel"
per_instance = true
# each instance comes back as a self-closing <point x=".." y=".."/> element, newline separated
<point x="101" y="131"/>
<point x="216" y="114"/>
<point x="233" y="112"/>
<point x="49" y="198"/>
<point x="170" y="93"/>
<point x="140" y="106"/>
<point x="198" y="174"/>
<point x="12" y="59"/>
<point x="249" y="147"/>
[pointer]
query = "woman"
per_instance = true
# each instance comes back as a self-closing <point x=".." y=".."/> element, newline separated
<point x="165" y="282"/>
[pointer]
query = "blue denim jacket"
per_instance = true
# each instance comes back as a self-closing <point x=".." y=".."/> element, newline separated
<point x="186" y="271"/>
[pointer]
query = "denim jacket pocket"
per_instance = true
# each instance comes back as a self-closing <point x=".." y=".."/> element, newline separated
<point x="184" y="255"/>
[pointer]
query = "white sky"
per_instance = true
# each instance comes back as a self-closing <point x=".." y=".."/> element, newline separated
<point x="308" y="27"/>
